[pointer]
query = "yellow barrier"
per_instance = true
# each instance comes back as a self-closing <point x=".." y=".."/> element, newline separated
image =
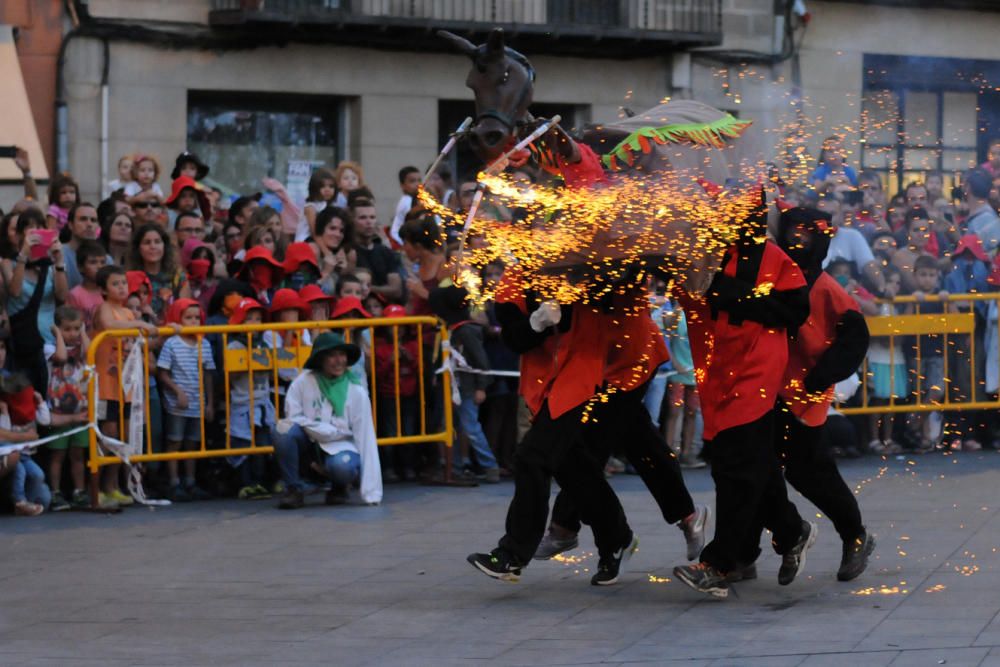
<point x="956" y="329"/>
<point x="276" y="361"/>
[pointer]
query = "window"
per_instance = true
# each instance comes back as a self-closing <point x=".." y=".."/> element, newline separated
<point x="245" y="137"/>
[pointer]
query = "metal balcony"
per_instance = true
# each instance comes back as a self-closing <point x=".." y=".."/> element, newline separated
<point x="598" y="28"/>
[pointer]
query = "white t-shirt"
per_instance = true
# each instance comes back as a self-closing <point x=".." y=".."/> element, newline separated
<point x="133" y="188"/>
<point x="849" y="244"/>
<point x="303" y="232"/>
<point x="402" y="208"/>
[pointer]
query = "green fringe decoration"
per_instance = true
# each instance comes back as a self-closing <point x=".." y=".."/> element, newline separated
<point x="703" y="134"/>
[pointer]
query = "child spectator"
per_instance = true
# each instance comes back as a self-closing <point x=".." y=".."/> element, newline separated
<point x="886" y="365"/>
<point x="928" y="349"/>
<point x="364" y="276"/>
<point x="288" y="307"/>
<point x="320" y="306"/>
<point x="450" y="304"/>
<point x="198" y="259"/>
<point x="188" y="164"/>
<point x="349" y="178"/>
<point x="188" y="394"/>
<point x="64" y="194"/>
<point x="350" y="286"/>
<point x="19" y="407"/>
<point x="409" y="183"/>
<point x="263" y="272"/>
<point x="265" y="222"/>
<point x="322" y="192"/>
<point x="124" y="174"/>
<point x="252" y="418"/>
<point x="144" y="188"/>
<point x="682" y="390"/>
<point x="350" y="308"/>
<point x="86" y="297"/>
<point x="187" y="199"/>
<point x="67" y="399"/>
<point x="113" y="407"/>
<point x="499" y="412"/>
<point x="397" y="460"/>
<point x="375" y="305"/>
<point x="301" y="269"/>
<point x="884" y="249"/>
<point x="913" y="245"/>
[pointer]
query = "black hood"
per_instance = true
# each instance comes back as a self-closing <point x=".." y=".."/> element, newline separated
<point x="817" y="225"/>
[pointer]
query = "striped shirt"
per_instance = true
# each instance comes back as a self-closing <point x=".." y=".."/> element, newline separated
<point x="181" y="359"/>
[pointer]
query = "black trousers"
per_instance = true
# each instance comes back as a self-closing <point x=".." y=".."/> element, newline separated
<point x="623" y="422"/>
<point x="555" y="448"/>
<point x="749" y="490"/>
<point x="811" y="469"/>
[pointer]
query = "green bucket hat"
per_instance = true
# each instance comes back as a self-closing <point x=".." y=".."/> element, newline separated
<point x="326" y="342"/>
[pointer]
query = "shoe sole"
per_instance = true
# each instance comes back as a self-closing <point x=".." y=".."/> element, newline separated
<point x="632" y="548"/>
<point x="869" y="550"/>
<point x="549" y="556"/>
<point x="704" y="527"/>
<point x="718" y="592"/>
<point x="501" y="576"/>
<point x="810" y="541"/>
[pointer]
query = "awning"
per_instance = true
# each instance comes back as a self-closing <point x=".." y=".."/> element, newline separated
<point x="17" y="125"/>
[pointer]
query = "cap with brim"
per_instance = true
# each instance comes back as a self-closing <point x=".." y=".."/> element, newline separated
<point x="346" y="304"/>
<point x="311" y="293"/>
<point x="262" y="254"/>
<point x="184" y="158"/>
<point x="185" y="183"/>
<point x="289" y="299"/>
<point x="245" y="305"/>
<point x="329" y="342"/>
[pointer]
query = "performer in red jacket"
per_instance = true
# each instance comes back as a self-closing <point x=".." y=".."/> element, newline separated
<point x="739" y="341"/>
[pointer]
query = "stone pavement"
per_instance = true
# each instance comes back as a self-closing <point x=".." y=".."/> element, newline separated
<point x="239" y="583"/>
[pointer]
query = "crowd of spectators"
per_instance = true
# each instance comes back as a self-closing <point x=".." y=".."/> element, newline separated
<point x="149" y="256"/>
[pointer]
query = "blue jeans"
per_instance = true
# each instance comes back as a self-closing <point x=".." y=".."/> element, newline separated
<point x="468" y="422"/>
<point x="653" y="400"/>
<point x="28" y="483"/>
<point x="343" y="468"/>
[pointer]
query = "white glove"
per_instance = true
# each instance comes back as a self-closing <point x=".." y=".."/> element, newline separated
<point x="547" y="315"/>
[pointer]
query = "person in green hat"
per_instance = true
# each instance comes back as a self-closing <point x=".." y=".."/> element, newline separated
<point x="328" y="411"/>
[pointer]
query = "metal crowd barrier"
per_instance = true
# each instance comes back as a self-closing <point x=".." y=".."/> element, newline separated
<point x="278" y="362"/>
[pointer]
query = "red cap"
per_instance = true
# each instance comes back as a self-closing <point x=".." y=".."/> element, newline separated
<point x="288" y="299"/>
<point x="182" y="183"/>
<point x="177" y="308"/>
<point x="245" y="305"/>
<point x="394" y="310"/>
<point x="259" y="252"/>
<point x="137" y="279"/>
<point x="973" y="244"/>
<point x="311" y="293"/>
<point x="299" y="253"/>
<point x="347" y="304"/>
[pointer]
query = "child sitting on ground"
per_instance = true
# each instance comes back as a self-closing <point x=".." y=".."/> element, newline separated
<point x="68" y="405"/>
<point x="188" y="394"/>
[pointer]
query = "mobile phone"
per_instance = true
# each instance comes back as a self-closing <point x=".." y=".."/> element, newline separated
<point x="853" y="197"/>
<point x="45" y="238"/>
<point x="8" y="152"/>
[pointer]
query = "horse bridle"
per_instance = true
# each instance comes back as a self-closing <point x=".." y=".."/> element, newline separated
<point x="507" y="119"/>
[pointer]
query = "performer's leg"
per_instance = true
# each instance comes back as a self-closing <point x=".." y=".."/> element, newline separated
<point x="565" y="514"/>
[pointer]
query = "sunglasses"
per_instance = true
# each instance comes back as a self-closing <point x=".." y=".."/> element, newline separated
<point x="146" y="204"/>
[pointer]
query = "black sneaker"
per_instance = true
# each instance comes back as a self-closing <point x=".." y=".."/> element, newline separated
<point x="178" y="494"/>
<point x="552" y="546"/>
<point x="703" y="578"/>
<point x="336" y="497"/>
<point x="694" y="531"/>
<point x="497" y="564"/>
<point x="855" y="556"/>
<point x="609" y="568"/>
<point x="742" y="574"/>
<point x="794" y="561"/>
<point x="197" y="493"/>
<point x="291" y="500"/>
<point x="59" y="503"/>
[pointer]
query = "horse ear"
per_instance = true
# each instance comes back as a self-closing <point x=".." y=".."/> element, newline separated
<point x="461" y="44"/>
<point x="494" y="45"/>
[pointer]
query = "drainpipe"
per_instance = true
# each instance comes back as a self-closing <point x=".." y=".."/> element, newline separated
<point x="104" y="120"/>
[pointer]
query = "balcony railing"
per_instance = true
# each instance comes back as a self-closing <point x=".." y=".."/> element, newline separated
<point x="553" y="25"/>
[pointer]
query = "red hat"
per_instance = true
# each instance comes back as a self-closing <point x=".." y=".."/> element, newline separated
<point x="973" y="244"/>
<point x="288" y="299"/>
<point x="182" y="183"/>
<point x="394" y="310"/>
<point x="178" y="307"/>
<point x="259" y="252"/>
<point x="297" y="254"/>
<point x="137" y="279"/>
<point x="347" y="304"/>
<point x="245" y="305"/>
<point x="311" y="293"/>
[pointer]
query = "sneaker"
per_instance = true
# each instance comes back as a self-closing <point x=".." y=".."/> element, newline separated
<point x="855" y="556"/>
<point x="197" y="493"/>
<point x="59" y="503"/>
<point x="691" y="462"/>
<point x="614" y="466"/>
<point x="80" y="500"/>
<point x="336" y="497"/>
<point x="694" y="530"/>
<point x="25" y="508"/>
<point x="742" y="574"/>
<point x="794" y="561"/>
<point x="491" y="475"/>
<point x="178" y="494"/>
<point x="611" y="567"/>
<point x="497" y="564"/>
<point x="971" y="446"/>
<point x="123" y="499"/>
<point x="246" y="493"/>
<point x="551" y="546"/>
<point x="703" y="578"/>
<point x="106" y="502"/>
<point x="259" y="492"/>
<point x="291" y="500"/>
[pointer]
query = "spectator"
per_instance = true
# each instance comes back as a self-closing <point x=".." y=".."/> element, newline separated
<point x="153" y="253"/>
<point x="189" y="225"/>
<point x="67" y="397"/>
<point x="884" y="249"/>
<point x="333" y="244"/>
<point x="322" y="193"/>
<point x="992" y="164"/>
<point x="301" y="269"/>
<point x="259" y="236"/>
<point x="439" y="186"/>
<point x="198" y="259"/>
<point x="325" y="407"/>
<point x="187" y="164"/>
<point x="8" y="236"/>
<point x="320" y="305"/>
<point x="982" y="220"/>
<point x="64" y="194"/>
<point x="682" y="390"/>
<point x="409" y="183"/>
<point x="242" y="209"/>
<point x="266" y="219"/>
<point x="396" y="382"/>
<point x="374" y="254"/>
<point x="886" y="365"/>
<point x="124" y="174"/>
<point x="849" y="244"/>
<point x="86" y="297"/>
<point x="83" y="226"/>
<point x="187" y="197"/>
<point x="349" y="308"/>
<point x="148" y="211"/>
<point x="349" y="177"/>
<point x="364" y="278"/>
<point x="144" y="186"/>
<point x="20" y="407"/>
<point x="928" y="357"/>
<point x="116" y="235"/>
<point x="262" y="272"/>
<point x="188" y="394"/>
<point x="832" y="168"/>
<point x="288" y="308"/>
<point x="36" y="281"/>
<point x="918" y="235"/>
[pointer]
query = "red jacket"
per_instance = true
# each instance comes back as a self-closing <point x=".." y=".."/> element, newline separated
<point x="740" y="367"/>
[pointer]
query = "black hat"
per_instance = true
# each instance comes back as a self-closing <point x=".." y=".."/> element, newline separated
<point x="183" y="159"/>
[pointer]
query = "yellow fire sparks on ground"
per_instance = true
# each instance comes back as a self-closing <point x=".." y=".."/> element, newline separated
<point x="882" y="590"/>
<point x="936" y="588"/>
<point x="653" y="579"/>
